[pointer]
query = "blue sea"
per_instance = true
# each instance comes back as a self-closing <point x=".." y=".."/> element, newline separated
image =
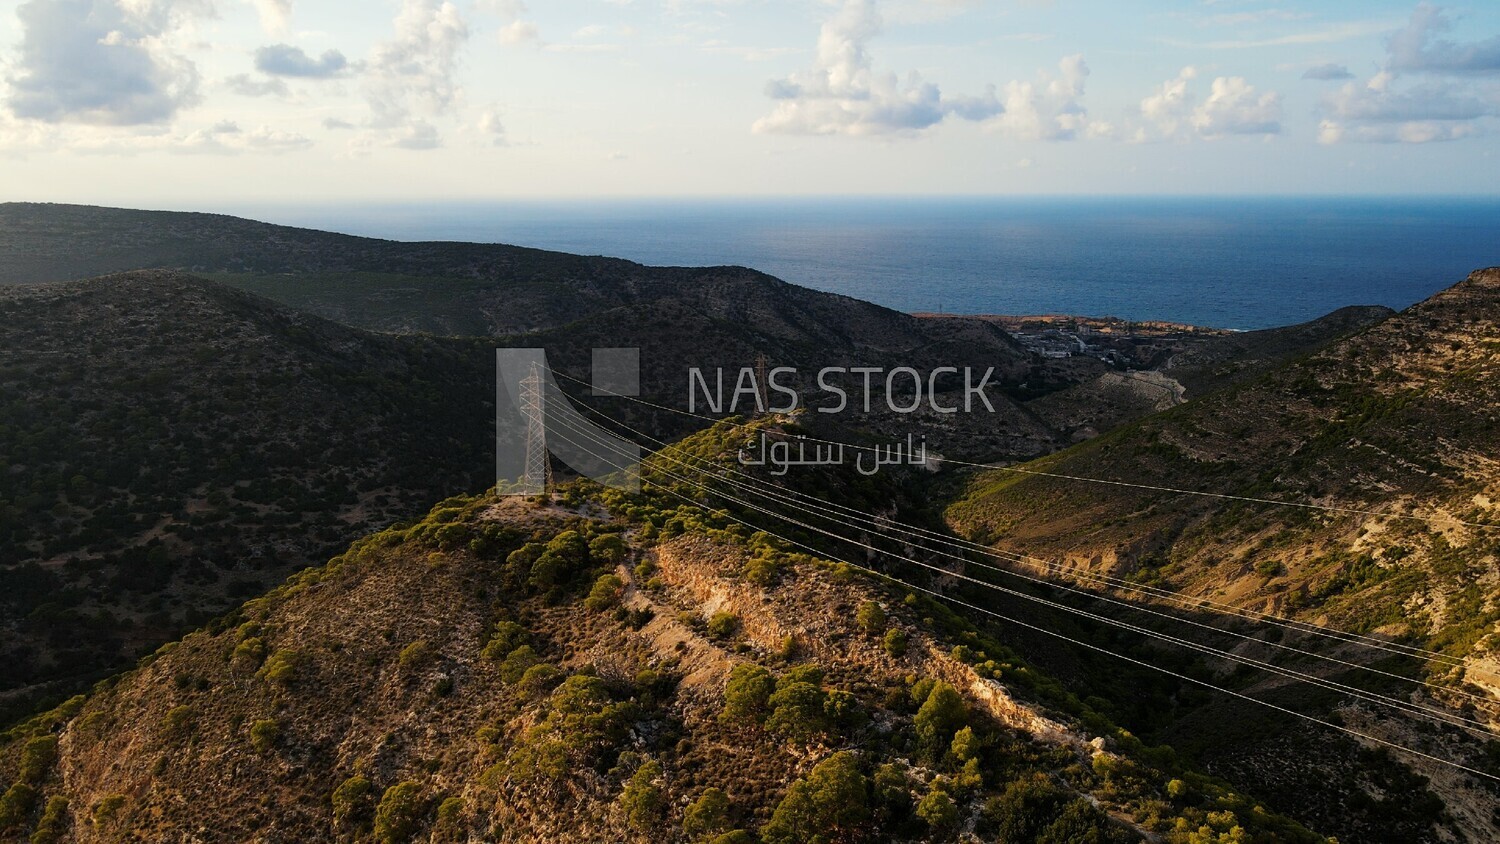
<point x="1226" y="262"/>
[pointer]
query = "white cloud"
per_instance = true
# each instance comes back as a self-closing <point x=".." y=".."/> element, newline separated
<point x="245" y="85"/>
<point x="1327" y="72"/>
<point x="520" y="32"/>
<point x="287" y="60"/>
<point x="1233" y="107"/>
<point x="103" y="62"/>
<point x="842" y="94"/>
<point x="491" y="129"/>
<point x="1446" y="106"/>
<point x="1049" y="109"/>
<point x="412" y="76"/>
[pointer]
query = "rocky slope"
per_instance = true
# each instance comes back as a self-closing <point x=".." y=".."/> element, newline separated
<point x="602" y="667"/>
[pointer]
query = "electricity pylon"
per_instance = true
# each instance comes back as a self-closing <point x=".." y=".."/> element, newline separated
<point x="534" y="407"/>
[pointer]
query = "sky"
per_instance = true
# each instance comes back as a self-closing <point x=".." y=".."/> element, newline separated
<point x="170" y="103"/>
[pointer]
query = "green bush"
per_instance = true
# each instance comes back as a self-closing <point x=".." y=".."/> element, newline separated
<point x="398" y="813"/>
<point x="642" y="798"/>
<point x="106" y="812"/>
<point x="965" y="746"/>
<point x="1026" y="808"/>
<point x="1082" y="823"/>
<point x="37" y="757"/>
<point x="54" y="822"/>
<point x="178" y="722"/>
<point x="829" y="804"/>
<point x="507" y="637"/>
<point x="798" y="711"/>
<point x="723" y="625"/>
<point x="734" y="836"/>
<point x="608" y="549"/>
<point x="414" y="656"/>
<point x="606" y="594"/>
<point x="264" y="733"/>
<point x="895" y="642"/>
<point x="941" y="715"/>
<point x="16" y="804"/>
<point x="707" y="815"/>
<point x="283" y="668"/>
<point x="350" y="797"/>
<point x="938" y="810"/>
<point x="748" y="692"/>
<point x="449" y="823"/>
<point x="518" y="663"/>
<point x="870" y="617"/>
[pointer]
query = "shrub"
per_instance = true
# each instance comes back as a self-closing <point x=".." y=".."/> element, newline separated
<point x="735" y="836"/>
<point x="1082" y="823"/>
<point x="1026" y="808"/>
<point x="16" y="804"/>
<point x="250" y="653"/>
<point x="582" y="723"/>
<point x="449" y="823"/>
<point x="107" y="810"/>
<point x="397" y="815"/>
<point x="965" y="745"/>
<point x="748" y="692"/>
<point x="797" y="711"/>
<point x="37" y="757"/>
<point x="895" y="642"/>
<point x="517" y="663"/>
<point x="642" y="798"/>
<point x="283" y="667"/>
<point x="178" y="722"/>
<point x="723" y="625"/>
<point x="707" y="815"/>
<point x="539" y="679"/>
<point x="507" y="637"/>
<point x="349" y="798"/>
<point x="608" y="548"/>
<point x="606" y="594"/>
<point x="414" y="656"/>
<point x="264" y="733"/>
<point x="938" y="810"/>
<point x="941" y="715"/>
<point x="828" y="804"/>
<point x="54" y="822"/>
<point x="870" y="617"/>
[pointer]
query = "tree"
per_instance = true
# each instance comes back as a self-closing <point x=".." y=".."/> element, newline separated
<point x="396" y="816"/>
<point x="828" y="803"/>
<point x="870" y="617"/>
<point x="707" y="815"/>
<point x="642" y="798"/>
<point x="507" y="637"/>
<point x="606" y="594"/>
<point x="54" y="822"/>
<point x="748" y="692"/>
<point x="941" y="715"/>
<point x="965" y="745"/>
<point x="349" y="798"/>
<point x="16" y="804"/>
<point x="608" y="548"/>
<point x="1026" y="808"/>
<point x="895" y="642"/>
<point x="938" y="810"/>
<point x="1082" y="823"/>
<point x="798" y="711"/>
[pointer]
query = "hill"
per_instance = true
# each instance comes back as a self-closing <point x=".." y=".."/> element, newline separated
<point x="600" y="667"/>
<point x="1392" y="429"/>
<point x="172" y="447"/>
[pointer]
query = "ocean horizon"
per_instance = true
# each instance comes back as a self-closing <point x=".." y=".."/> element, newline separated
<point x="1235" y="262"/>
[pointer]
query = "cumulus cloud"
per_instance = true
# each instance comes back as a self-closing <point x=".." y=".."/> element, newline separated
<point x="286" y="60"/>
<point x="102" y="62"/>
<point x="275" y="15"/>
<point x="520" y="32"/>
<point x="222" y="138"/>
<point x="411" y="77"/>
<point x="336" y="123"/>
<point x="1416" y="48"/>
<point x="1049" y="109"/>
<point x="842" y="93"/>
<point x="1447" y="105"/>
<point x="1327" y="72"/>
<point x="1233" y="107"/>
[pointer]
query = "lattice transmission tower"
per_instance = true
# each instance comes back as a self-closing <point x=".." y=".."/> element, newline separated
<point x="534" y="408"/>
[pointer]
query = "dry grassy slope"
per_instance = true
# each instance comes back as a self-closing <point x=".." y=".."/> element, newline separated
<point x="172" y="447"/>
<point x="167" y="749"/>
<point x="1401" y="418"/>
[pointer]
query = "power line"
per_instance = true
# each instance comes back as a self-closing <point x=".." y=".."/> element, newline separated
<point x="1332" y="685"/>
<point x="1087" y="645"/>
<point x="1189" y="603"/>
<point x="1127" y="484"/>
<point x="755" y="486"/>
